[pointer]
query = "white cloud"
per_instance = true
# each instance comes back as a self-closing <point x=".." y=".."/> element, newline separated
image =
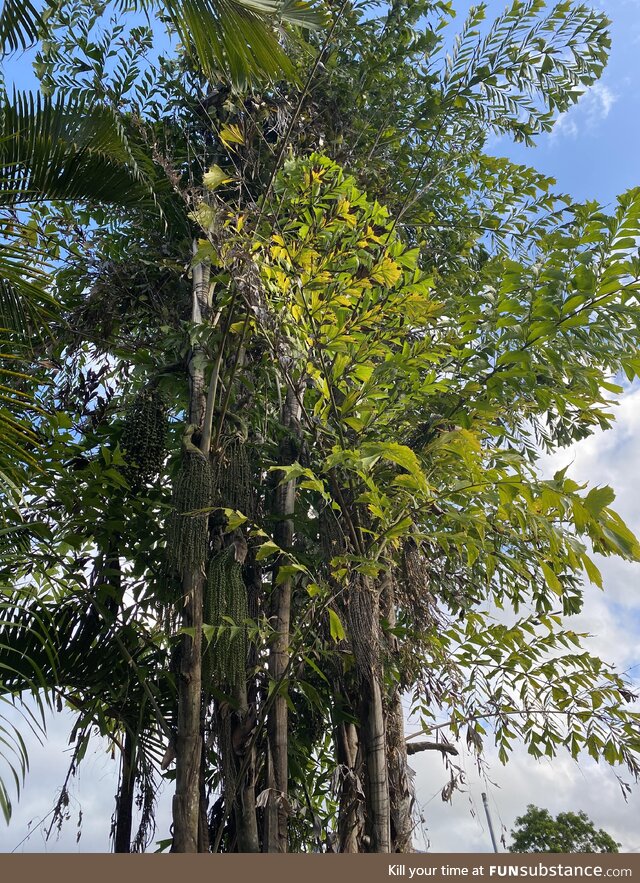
<point x="592" y="108"/>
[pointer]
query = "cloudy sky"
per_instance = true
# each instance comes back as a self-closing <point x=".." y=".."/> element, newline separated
<point x="593" y="154"/>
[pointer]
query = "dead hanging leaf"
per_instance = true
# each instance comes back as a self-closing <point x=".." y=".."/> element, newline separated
<point x="215" y="177"/>
<point x="263" y="798"/>
<point x="240" y="549"/>
<point x="169" y="756"/>
<point x="448" y="790"/>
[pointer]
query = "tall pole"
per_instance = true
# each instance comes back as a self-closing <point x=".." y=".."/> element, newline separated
<point x="491" y="831"/>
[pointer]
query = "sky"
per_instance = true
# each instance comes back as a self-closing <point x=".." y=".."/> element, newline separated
<point x="593" y="154"/>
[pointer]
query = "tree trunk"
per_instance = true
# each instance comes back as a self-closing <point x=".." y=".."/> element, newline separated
<point x="124" y="802"/>
<point x="400" y="791"/>
<point x="245" y="799"/>
<point x="377" y="781"/>
<point x="203" y="821"/>
<point x="246" y="815"/>
<point x="186" y="801"/>
<point x="276" y="816"/>
<point x="350" y="813"/>
<point x="363" y="617"/>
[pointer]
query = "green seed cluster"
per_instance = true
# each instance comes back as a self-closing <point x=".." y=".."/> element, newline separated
<point x="233" y="478"/>
<point x="144" y="436"/>
<point x="225" y="607"/>
<point x="188" y="531"/>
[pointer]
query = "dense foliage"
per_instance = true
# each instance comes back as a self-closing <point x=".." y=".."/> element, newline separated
<point x="538" y="831"/>
<point x="295" y="349"/>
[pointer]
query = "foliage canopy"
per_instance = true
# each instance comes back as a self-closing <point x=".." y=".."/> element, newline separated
<point x="538" y="831"/>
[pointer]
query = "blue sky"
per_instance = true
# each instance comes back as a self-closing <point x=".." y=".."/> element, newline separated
<point x="593" y="153"/>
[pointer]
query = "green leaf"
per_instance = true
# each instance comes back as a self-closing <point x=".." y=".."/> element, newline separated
<point x="599" y="498"/>
<point x="234" y="519"/>
<point x="401" y="455"/>
<point x="267" y="549"/>
<point x="335" y="626"/>
<point x="592" y="571"/>
<point x="552" y="580"/>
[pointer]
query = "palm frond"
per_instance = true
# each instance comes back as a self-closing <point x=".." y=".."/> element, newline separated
<point x="56" y="148"/>
<point x="27" y="663"/>
<point x="20" y="24"/>
<point x="237" y="38"/>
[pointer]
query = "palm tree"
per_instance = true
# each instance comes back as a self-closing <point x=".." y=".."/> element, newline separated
<point x="55" y="148"/>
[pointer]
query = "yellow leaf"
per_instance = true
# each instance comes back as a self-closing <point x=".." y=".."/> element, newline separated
<point x="215" y="177"/>
<point x="231" y="135"/>
<point x="387" y="272"/>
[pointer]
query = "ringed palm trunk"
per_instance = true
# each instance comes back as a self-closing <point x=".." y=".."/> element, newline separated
<point x="350" y="812"/>
<point x="364" y="628"/>
<point x="235" y="727"/>
<point x="245" y="810"/>
<point x="276" y="817"/>
<point x="377" y="779"/>
<point x="401" y="796"/>
<point x="187" y="834"/>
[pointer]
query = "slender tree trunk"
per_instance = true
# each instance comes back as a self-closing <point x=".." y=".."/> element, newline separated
<point x="124" y="802"/>
<point x="364" y="630"/>
<point x="203" y="821"/>
<point x="245" y="722"/>
<point x="377" y="782"/>
<point x="350" y="813"/>
<point x="245" y="800"/>
<point x="186" y="801"/>
<point x="276" y="821"/>
<point x="400" y="791"/>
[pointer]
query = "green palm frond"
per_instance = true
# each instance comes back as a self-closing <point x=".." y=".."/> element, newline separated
<point x="238" y="38"/>
<point x="56" y="148"/>
<point x="57" y="648"/>
<point x="27" y="666"/>
<point x="25" y="304"/>
<point x="25" y="310"/>
<point x="50" y="149"/>
<point x="20" y="25"/>
<point x="235" y="38"/>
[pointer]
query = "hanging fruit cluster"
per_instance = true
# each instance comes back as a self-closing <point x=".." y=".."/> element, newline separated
<point x="144" y="436"/>
<point x="225" y="608"/>
<point x="233" y="478"/>
<point x="188" y="530"/>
